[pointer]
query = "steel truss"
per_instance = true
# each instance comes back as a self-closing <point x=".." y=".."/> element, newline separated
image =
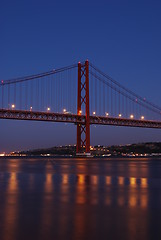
<point x="76" y="119"/>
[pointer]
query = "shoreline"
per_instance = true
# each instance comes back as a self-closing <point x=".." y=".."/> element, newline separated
<point x="83" y="157"/>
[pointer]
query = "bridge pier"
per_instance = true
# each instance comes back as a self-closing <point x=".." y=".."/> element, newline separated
<point x="83" y="129"/>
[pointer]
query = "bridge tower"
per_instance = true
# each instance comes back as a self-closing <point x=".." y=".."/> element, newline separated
<point x="83" y="129"/>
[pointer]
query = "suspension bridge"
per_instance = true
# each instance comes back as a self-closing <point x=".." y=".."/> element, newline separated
<point x="80" y="94"/>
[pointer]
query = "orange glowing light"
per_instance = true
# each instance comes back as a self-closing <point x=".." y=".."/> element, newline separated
<point x="94" y="179"/>
<point x="120" y="180"/>
<point x="144" y="182"/>
<point x="65" y="179"/>
<point x="132" y="201"/>
<point x="81" y="178"/>
<point x="108" y="180"/>
<point x="144" y="201"/>
<point x="132" y="181"/>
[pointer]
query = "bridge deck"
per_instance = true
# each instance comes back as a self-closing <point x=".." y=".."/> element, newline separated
<point x="73" y="118"/>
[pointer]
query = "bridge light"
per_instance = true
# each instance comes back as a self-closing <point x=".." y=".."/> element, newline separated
<point x="131" y="116"/>
<point x="48" y="109"/>
<point x="13" y="106"/>
<point x="94" y="113"/>
<point x="142" y="117"/>
<point x="64" y="110"/>
<point x="120" y="115"/>
<point x="107" y="114"/>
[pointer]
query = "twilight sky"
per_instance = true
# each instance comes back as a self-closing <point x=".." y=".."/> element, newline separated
<point x="122" y="38"/>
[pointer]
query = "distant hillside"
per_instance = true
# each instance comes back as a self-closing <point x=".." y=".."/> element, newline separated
<point x="140" y="148"/>
<point x="62" y="150"/>
<point x="135" y="149"/>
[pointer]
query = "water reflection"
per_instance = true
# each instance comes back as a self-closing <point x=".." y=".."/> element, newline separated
<point x="11" y="207"/>
<point x="54" y="203"/>
<point x="94" y="179"/>
<point x="144" y="182"/>
<point x="65" y="178"/>
<point x="121" y="180"/>
<point x="80" y="189"/>
<point x="48" y="186"/>
<point x="79" y="184"/>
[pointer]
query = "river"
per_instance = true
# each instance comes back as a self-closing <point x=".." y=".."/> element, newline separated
<point x="56" y="198"/>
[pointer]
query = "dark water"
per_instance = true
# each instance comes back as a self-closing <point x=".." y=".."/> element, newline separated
<point x="80" y="199"/>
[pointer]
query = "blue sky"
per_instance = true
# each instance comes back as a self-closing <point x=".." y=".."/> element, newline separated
<point x="121" y="37"/>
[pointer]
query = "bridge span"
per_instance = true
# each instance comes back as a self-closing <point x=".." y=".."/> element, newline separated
<point x="80" y="94"/>
<point x="76" y="119"/>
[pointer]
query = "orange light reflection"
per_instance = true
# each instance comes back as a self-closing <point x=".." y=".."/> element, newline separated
<point x="108" y="180"/>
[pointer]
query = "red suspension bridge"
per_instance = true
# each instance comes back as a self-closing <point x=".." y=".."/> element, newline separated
<point x="80" y="94"/>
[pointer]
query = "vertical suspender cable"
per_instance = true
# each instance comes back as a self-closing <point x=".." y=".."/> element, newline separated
<point x="111" y="102"/>
<point x="95" y="94"/>
<point x="26" y="92"/>
<point x="103" y="99"/>
<point x="8" y="96"/>
<point x="91" y="94"/>
<point x="2" y="94"/>
<point x="15" y="94"/>
<point x="20" y="86"/>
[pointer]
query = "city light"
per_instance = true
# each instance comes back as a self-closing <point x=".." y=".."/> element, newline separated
<point x="2" y="154"/>
<point x="131" y="116"/>
<point x="142" y="117"/>
<point x="94" y="113"/>
<point x="48" y="109"/>
<point x="107" y="114"/>
<point x="13" y="106"/>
